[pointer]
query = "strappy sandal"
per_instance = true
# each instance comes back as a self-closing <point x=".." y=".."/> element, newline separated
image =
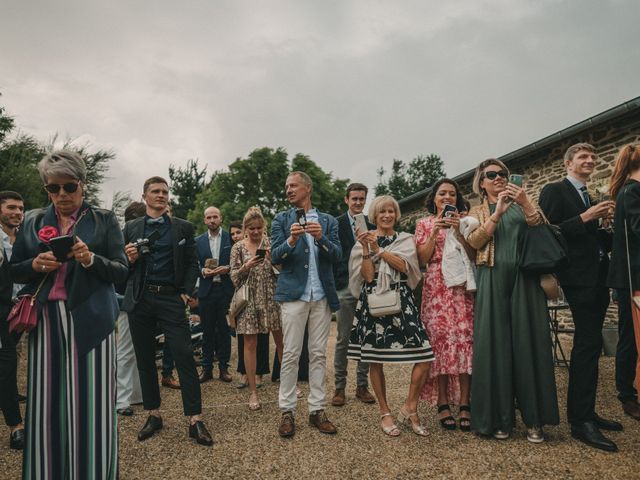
<point x="405" y="419"/>
<point x="448" y="422"/>
<point x="255" y="404"/>
<point x="392" y="430"/>
<point x="465" y="423"/>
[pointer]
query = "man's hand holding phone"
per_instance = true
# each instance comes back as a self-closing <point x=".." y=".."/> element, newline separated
<point x="314" y="229"/>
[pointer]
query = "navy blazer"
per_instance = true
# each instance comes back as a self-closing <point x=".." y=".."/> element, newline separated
<point x="204" y="252"/>
<point x="562" y="205"/>
<point x="185" y="263"/>
<point x="91" y="297"/>
<point x="295" y="260"/>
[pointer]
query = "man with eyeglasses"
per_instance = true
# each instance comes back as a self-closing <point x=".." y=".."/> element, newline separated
<point x="568" y="204"/>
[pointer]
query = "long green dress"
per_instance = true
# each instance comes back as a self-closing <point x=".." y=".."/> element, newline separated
<point x="512" y="346"/>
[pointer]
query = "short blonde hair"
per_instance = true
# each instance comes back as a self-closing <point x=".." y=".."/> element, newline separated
<point x="379" y="203"/>
<point x="478" y="176"/>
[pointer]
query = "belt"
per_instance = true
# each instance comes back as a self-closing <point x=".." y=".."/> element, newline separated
<point x="162" y="289"/>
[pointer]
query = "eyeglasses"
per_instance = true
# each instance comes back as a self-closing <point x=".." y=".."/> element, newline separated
<point x="67" y="187"/>
<point x="492" y="175"/>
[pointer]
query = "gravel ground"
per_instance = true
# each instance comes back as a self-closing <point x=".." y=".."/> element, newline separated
<point x="247" y="444"/>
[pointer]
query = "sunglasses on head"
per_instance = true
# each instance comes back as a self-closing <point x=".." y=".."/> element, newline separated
<point x="492" y="175"/>
<point x="67" y="187"/>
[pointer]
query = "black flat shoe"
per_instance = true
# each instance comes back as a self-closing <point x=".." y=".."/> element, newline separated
<point x="588" y="433"/>
<point x="604" y="424"/>
<point x="125" y="412"/>
<point x="152" y="425"/>
<point x="200" y="433"/>
<point x="16" y="439"/>
<point x="448" y="422"/>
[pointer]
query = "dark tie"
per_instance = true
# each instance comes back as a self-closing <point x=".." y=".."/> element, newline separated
<point x="155" y="221"/>
<point x="585" y="196"/>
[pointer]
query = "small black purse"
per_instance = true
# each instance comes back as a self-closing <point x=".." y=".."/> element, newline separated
<point x="545" y="249"/>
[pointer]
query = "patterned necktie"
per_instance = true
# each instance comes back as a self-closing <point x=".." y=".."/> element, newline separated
<point x="585" y="196"/>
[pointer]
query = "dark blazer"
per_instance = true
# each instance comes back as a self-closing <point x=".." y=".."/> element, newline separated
<point x="91" y="296"/>
<point x="6" y="287"/>
<point x="295" y="261"/>
<point x="185" y="262"/>
<point x="627" y="206"/>
<point x="204" y="252"/>
<point x="345" y="234"/>
<point x="562" y="205"/>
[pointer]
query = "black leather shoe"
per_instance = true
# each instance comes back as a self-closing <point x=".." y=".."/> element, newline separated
<point x="152" y="425"/>
<point x="200" y="433"/>
<point x="205" y="376"/>
<point x="604" y="424"/>
<point x="125" y="412"/>
<point x="587" y="432"/>
<point x="16" y="439"/>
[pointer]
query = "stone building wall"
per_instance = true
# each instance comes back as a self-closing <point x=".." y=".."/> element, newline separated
<point x="545" y="165"/>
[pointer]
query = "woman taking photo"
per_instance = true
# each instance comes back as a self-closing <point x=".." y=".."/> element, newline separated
<point x="381" y="261"/>
<point x="71" y="418"/>
<point x="625" y="188"/>
<point x="512" y="359"/>
<point x="251" y="266"/>
<point x="447" y="313"/>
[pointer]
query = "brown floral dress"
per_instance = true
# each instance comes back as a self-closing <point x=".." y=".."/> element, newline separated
<point x="262" y="312"/>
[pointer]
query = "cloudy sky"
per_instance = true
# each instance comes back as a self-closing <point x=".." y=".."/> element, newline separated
<point x="352" y="83"/>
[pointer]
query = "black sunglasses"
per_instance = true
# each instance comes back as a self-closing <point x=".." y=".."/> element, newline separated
<point x="492" y="175"/>
<point x="68" y="187"/>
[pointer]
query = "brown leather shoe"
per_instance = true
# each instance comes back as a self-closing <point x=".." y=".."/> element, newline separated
<point x="225" y="376"/>
<point x="319" y="420"/>
<point x="287" y="426"/>
<point x="338" y="398"/>
<point x="205" y="376"/>
<point x="632" y="408"/>
<point x="363" y="394"/>
<point x="171" y="382"/>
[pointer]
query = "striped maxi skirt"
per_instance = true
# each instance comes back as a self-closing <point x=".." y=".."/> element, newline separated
<point x="71" y="423"/>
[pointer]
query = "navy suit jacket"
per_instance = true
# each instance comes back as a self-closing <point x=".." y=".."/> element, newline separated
<point x="204" y="252"/>
<point x="295" y="260"/>
<point x="347" y="240"/>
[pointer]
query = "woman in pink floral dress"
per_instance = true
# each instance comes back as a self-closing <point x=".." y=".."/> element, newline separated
<point x="447" y="313"/>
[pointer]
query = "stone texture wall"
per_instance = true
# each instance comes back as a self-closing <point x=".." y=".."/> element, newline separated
<point x="545" y="165"/>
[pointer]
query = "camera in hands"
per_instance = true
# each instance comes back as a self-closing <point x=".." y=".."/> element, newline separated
<point x="145" y="245"/>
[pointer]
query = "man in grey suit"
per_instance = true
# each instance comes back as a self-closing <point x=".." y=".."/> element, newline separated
<point x="305" y="242"/>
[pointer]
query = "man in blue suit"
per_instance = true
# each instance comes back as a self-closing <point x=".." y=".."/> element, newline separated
<point x="305" y="242"/>
<point x="214" y="294"/>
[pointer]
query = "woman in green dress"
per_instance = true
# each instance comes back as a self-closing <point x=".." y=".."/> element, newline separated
<point x="512" y="360"/>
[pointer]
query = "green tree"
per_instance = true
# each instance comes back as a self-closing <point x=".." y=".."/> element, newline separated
<point x="259" y="180"/>
<point x="186" y="184"/>
<point x="407" y="179"/>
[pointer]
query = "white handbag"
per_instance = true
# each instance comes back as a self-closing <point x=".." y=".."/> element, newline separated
<point x="383" y="304"/>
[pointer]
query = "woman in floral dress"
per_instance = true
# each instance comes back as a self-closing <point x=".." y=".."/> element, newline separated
<point x="447" y="313"/>
<point x="262" y="312"/>
<point x="384" y="260"/>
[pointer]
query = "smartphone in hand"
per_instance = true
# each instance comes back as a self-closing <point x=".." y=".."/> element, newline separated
<point x="449" y="210"/>
<point x="261" y="252"/>
<point x="301" y="217"/>
<point x="516" y="180"/>
<point x="361" y="222"/>
<point x="61" y="246"/>
<point x="211" y="263"/>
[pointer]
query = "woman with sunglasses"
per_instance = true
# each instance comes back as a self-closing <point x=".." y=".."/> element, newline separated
<point x="512" y="360"/>
<point x="71" y="417"/>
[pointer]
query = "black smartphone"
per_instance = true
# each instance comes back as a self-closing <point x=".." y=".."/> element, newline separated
<point x="516" y="180"/>
<point x="449" y="210"/>
<point x="301" y="217"/>
<point x="61" y="246"/>
<point x="261" y="252"/>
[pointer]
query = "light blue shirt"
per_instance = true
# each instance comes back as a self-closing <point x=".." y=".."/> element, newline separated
<point x="578" y="185"/>
<point x="313" y="290"/>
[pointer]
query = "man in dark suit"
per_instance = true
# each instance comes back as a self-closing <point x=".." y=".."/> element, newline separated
<point x="568" y="205"/>
<point x="355" y="199"/>
<point x="157" y="291"/>
<point x="214" y="294"/>
<point x="305" y="242"/>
